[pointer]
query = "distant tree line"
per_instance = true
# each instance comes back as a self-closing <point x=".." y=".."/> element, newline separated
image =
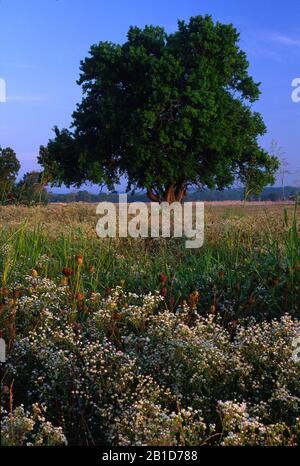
<point x="30" y="190"/>
<point x="268" y="194"/>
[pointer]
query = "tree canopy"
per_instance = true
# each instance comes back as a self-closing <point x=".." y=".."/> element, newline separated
<point x="165" y="111"/>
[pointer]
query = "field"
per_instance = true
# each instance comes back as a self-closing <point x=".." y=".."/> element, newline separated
<point x="142" y="342"/>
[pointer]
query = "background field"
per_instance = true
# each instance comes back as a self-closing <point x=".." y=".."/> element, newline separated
<point x="250" y="257"/>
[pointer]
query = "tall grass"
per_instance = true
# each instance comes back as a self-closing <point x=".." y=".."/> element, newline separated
<point x="246" y="267"/>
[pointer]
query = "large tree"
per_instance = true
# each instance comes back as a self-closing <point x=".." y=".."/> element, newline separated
<point x="166" y="111"/>
<point x="9" y="169"/>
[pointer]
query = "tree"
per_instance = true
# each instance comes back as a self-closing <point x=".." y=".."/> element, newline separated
<point x="166" y="111"/>
<point x="31" y="189"/>
<point x="9" y="169"/>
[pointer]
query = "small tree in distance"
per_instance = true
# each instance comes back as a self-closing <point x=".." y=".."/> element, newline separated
<point x="9" y="169"/>
<point x="166" y="111"/>
<point x="31" y="190"/>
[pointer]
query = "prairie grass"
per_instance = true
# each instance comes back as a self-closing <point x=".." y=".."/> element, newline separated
<point x="249" y="264"/>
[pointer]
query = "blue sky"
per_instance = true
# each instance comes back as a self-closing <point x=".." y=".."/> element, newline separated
<point x="42" y="43"/>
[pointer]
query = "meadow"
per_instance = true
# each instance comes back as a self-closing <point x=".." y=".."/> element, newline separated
<point x="143" y="342"/>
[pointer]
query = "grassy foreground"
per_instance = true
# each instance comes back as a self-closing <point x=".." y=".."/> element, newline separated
<point x="142" y="342"/>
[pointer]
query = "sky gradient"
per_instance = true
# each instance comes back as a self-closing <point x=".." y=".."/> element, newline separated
<point x="42" y="43"/>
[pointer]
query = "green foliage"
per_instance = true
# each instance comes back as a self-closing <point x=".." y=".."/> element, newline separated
<point x="9" y="169"/>
<point x="31" y="190"/>
<point x="166" y="111"/>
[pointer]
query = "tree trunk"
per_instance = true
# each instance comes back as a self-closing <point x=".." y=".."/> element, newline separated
<point x="153" y="197"/>
<point x="172" y="193"/>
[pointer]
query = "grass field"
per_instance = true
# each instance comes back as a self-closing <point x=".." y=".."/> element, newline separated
<point x="143" y="342"/>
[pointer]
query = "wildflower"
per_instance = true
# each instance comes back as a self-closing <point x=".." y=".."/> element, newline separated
<point x="164" y="292"/>
<point x="64" y="281"/>
<point x="163" y="278"/>
<point x="5" y="292"/>
<point x="34" y="273"/>
<point x="79" y="297"/>
<point x="79" y="260"/>
<point x="16" y="294"/>
<point x="193" y="299"/>
<point x="67" y="272"/>
<point x="213" y="309"/>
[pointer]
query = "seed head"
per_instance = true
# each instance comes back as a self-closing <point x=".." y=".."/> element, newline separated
<point x="79" y="259"/>
<point x="67" y="272"/>
<point x="163" y="278"/>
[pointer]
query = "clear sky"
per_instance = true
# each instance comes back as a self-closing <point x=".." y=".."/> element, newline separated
<point x="43" y="41"/>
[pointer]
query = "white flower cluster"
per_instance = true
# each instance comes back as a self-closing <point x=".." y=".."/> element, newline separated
<point x="242" y="429"/>
<point x="24" y="428"/>
<point x="129" y="372"/>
